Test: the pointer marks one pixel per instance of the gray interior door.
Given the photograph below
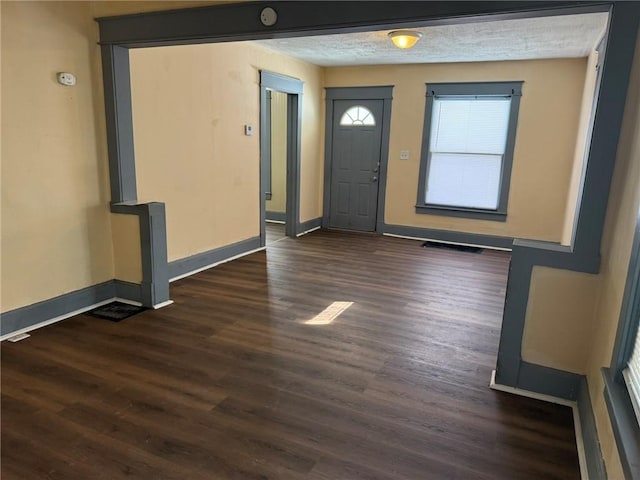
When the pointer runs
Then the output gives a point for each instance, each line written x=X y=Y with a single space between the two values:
x=355 y=163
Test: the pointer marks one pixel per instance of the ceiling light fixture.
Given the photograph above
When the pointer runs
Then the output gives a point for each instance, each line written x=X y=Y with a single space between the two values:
x=404 y=38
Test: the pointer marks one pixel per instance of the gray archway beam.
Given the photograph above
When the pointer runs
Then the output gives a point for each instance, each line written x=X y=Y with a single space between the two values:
x=241 y=21
x=117 y=101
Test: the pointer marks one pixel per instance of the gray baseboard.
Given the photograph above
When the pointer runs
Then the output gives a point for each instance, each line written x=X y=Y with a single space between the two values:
x=204 y=259
x=623 y=423
x=62 y=305
x=549 y=381
x=276 y=216
x=128 y=290
x=309 y=225
x=448 y=236
x=593 y=454
x=25 y=317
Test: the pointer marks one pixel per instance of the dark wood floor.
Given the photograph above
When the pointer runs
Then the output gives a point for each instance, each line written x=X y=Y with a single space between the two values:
x=230 y=383
x=275 y=232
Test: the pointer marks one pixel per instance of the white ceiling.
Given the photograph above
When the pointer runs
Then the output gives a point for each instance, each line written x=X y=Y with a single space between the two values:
x=543 y=37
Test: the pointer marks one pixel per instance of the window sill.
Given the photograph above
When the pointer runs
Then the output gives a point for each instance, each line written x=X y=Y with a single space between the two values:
x=475 y=213
x=624 y=424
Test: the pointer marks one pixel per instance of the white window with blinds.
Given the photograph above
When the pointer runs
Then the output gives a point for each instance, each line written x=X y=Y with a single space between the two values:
x=467 y=162
x=632 y=377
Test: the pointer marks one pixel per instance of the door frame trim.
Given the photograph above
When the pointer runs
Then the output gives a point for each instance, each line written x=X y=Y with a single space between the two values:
x=293 y=88
x=384 y=93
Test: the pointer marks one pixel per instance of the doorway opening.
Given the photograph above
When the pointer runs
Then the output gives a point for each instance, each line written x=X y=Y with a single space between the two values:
x=276 y=193
x=280 y=137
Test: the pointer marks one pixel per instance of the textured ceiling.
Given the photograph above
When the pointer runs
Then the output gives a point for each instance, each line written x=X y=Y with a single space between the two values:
x=543 y=37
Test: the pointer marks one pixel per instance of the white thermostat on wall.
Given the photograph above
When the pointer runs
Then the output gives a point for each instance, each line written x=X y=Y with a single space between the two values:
x=67 y=79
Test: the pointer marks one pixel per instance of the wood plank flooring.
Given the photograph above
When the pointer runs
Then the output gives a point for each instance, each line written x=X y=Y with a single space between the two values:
x=274 y=232
x=230 y=383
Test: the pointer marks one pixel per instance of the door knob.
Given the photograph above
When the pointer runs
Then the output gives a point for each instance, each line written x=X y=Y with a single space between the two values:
x=374 y=179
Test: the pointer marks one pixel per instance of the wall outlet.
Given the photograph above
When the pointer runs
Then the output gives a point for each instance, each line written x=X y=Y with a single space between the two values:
x=404 y=154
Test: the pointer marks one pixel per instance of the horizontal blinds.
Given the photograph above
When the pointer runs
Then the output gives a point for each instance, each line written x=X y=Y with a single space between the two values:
x=466 y=147
x=464 y=180
x=632 y=377
x=470 y=125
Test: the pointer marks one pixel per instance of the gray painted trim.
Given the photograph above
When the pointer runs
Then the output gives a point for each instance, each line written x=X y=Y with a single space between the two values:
x=629 y=322
x=39 y=312
x=128 y=290
x=595 y=463
x=198 y=261
x=384 y=160
x=65 y=304
x=265 y=132
x=624 y=424
x=584 y=255
x=503 y=89
x=276 y=216
x=549 y=381
x=475 y=88
x=607 y=123
x=241 y=21
x=474 y=213
x=449 y=236
x=117 y=100
x=384 y=93
x=524 y=256
x=600 y=48
x=293 y=88
x=153 y=247
x=310 y=224
x=359 y=93
x=281 y=83
x=328 y=146
x=294 y=147
x=265 y=159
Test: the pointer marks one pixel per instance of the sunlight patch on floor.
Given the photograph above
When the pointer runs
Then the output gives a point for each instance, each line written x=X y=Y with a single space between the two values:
x=329 y=314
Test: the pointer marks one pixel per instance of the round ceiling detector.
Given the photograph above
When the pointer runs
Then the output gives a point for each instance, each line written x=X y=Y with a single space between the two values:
x=268 y=17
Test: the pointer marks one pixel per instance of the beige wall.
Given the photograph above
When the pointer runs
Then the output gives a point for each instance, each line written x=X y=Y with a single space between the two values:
x=108 y=8
x=278 y=202
x=581 y=147
x=56 y=235
x=545 y=142
x=559 y=319
x=126 y=247
x=189 y=107
x=622 y=215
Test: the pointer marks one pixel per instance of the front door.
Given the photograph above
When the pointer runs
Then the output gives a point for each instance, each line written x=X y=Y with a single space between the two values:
x=355 y=164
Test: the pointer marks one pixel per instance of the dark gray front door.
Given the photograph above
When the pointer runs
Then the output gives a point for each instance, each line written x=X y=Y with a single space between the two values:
x=355 y=164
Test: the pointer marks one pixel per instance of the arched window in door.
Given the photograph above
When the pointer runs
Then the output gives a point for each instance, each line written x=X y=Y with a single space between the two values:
x=357 y=116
